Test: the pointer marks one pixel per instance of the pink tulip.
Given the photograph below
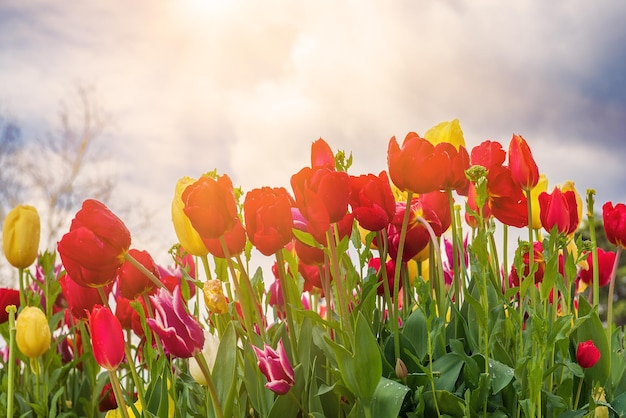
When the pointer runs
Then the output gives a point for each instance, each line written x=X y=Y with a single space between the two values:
x=179 y=332
x=107 y=337
x=274 y=364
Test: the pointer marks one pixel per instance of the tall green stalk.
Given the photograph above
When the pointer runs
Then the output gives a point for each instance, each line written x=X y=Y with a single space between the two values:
x=11 y=310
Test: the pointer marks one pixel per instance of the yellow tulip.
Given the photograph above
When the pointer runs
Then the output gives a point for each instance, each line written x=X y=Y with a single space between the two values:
x=446 y=132
x=187 y=236
x=542 y=186
x=214 y=296
x=32 y=332
x=20 y=236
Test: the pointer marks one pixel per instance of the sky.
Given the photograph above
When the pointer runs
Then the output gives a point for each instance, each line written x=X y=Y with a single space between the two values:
x=245 y=87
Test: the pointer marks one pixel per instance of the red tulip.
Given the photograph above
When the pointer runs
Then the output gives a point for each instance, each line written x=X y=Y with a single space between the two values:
x=94 y=248
x=307 y=254
x=129 y=318
x=587 y=354
x=488 y=154
x=107 y=337
x=524 y=170
x=606 y=260
x=267 y=212
x=417 y=236
x=615 y=223
x=390 y=269
x=372 y=201
x=559 y=210
x=311 y=276
x=505 y=200
x=416 y=167
x=322 y=155
x=275 y=365
x=179 y=332
x=131 y=282
x=235 y=239
x=457 y=162
x=8 y=297
x=210 y=206
x=322 y=196
x=537 y=260
x=80 y=299
x=439 y=203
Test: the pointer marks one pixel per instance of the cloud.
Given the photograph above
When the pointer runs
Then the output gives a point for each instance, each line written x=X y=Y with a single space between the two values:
x=247 y=86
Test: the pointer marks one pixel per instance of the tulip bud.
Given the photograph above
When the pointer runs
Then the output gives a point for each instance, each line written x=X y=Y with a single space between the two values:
x=401 y=370
x=20 y=236
x=523 y=167
x=587 y=354
x=214 y=297
x=32 y=332
x=107 y=337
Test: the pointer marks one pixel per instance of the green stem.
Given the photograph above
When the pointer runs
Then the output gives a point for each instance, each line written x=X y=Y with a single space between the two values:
x=284 y=286
x=609 y=304
x=342 y=296
x=396 y=279
x=248 y=323
x=11 y=310
x=457 y=252
x=22 y=287
x=594 y=247
x=207 y=375
x=119 y=395
x=207 y=268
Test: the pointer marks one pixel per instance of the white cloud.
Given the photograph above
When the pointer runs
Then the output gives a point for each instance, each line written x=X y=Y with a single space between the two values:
x=246 y=86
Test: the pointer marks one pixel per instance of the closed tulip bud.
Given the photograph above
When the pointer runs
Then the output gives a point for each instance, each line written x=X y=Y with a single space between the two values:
x=401 y=370
x=20 y=236
x=32 y=332
x=187 y=236
x=587 y=354
x=214 y=297
x=524 y=170
x=615 y=223
x=107 y=337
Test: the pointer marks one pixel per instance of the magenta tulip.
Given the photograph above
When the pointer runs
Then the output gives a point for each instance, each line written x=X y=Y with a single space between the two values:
x=179 y=332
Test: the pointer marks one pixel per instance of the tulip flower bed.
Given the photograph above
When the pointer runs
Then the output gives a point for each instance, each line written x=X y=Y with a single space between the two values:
x=391 y=294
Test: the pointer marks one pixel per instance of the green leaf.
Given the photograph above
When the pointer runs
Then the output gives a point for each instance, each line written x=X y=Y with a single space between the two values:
x=361 y=370
x=415 y=330
x=501 y=375
x=388 y=398
x=224 y=375
x=592 y=329
x=449 y=367
x=305 y=238
x=367 y=358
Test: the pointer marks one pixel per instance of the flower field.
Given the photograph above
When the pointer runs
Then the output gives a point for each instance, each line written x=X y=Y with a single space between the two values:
x=390 y=294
